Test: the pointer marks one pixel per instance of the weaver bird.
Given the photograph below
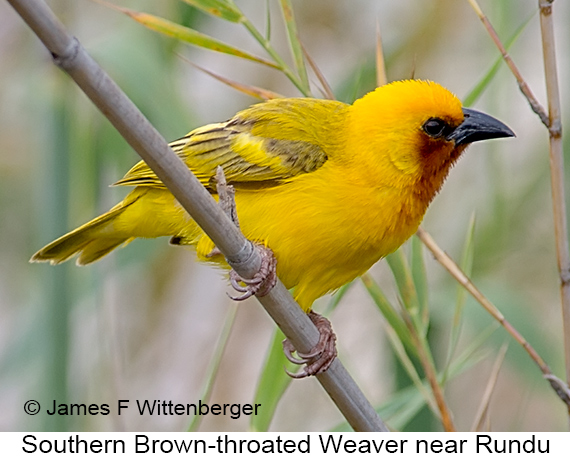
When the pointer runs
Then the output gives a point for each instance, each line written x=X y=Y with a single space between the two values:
x=330 y=188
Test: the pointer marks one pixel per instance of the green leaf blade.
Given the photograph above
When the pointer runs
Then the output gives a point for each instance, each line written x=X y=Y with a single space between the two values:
x=404 y=280
x=419 y=276
x=389 y=313
x=480 y=87
x=191 y=36
x=272 y=384
x=294 y=43
x=218 y=8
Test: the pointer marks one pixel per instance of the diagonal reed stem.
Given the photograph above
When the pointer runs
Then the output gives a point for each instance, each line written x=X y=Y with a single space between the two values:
x=428 y=365
x=70 y=56
x=523 y=86
x=447 y=262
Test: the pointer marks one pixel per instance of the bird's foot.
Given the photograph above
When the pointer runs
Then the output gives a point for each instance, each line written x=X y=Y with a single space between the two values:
x=318 y=359
x=262 y=282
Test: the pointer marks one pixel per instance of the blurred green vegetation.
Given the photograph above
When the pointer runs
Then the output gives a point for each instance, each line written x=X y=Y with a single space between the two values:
x=146 y=322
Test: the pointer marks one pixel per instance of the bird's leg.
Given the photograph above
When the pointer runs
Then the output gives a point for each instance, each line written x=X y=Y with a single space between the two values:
x=227 y=196
x=266 y=277
x=318 y=359
x=226 y=201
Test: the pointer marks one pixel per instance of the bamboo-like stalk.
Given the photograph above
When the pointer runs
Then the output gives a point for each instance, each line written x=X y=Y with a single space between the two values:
x=556 y=168
x=69 y=55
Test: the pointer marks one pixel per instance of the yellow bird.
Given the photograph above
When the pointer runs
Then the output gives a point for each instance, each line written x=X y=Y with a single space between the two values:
x=329 y=187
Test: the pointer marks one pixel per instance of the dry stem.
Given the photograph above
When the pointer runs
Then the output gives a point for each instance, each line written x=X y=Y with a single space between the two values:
x=431 y=376
x=381 y=77
x=462 y=278
x=525 y=89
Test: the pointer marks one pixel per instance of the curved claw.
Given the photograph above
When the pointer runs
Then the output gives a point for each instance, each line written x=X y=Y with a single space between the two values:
x=241 y=297
x=299 y=375
x=314 y=368
x=320 y=357
x=234 y=280
x=247 y=292
x=288 y=350
x=262 y=282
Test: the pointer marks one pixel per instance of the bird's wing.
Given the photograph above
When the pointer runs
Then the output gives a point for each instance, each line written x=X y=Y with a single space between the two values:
x=264 y=145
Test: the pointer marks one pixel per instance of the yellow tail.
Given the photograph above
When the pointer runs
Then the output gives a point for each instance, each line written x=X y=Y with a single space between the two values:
x=92 y=240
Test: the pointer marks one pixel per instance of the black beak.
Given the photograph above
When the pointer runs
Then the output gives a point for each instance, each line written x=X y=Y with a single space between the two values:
x=478 y=126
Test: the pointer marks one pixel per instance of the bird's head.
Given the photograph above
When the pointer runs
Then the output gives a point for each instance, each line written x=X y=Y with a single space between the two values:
x=413 y=132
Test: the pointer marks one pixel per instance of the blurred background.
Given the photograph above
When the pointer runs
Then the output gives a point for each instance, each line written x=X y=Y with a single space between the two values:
x=145 y=322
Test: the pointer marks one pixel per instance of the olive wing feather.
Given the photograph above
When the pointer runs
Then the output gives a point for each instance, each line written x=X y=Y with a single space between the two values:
x=262 y=146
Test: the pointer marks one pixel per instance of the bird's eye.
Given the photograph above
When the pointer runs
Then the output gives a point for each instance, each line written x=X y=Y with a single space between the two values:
x=435 y=127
